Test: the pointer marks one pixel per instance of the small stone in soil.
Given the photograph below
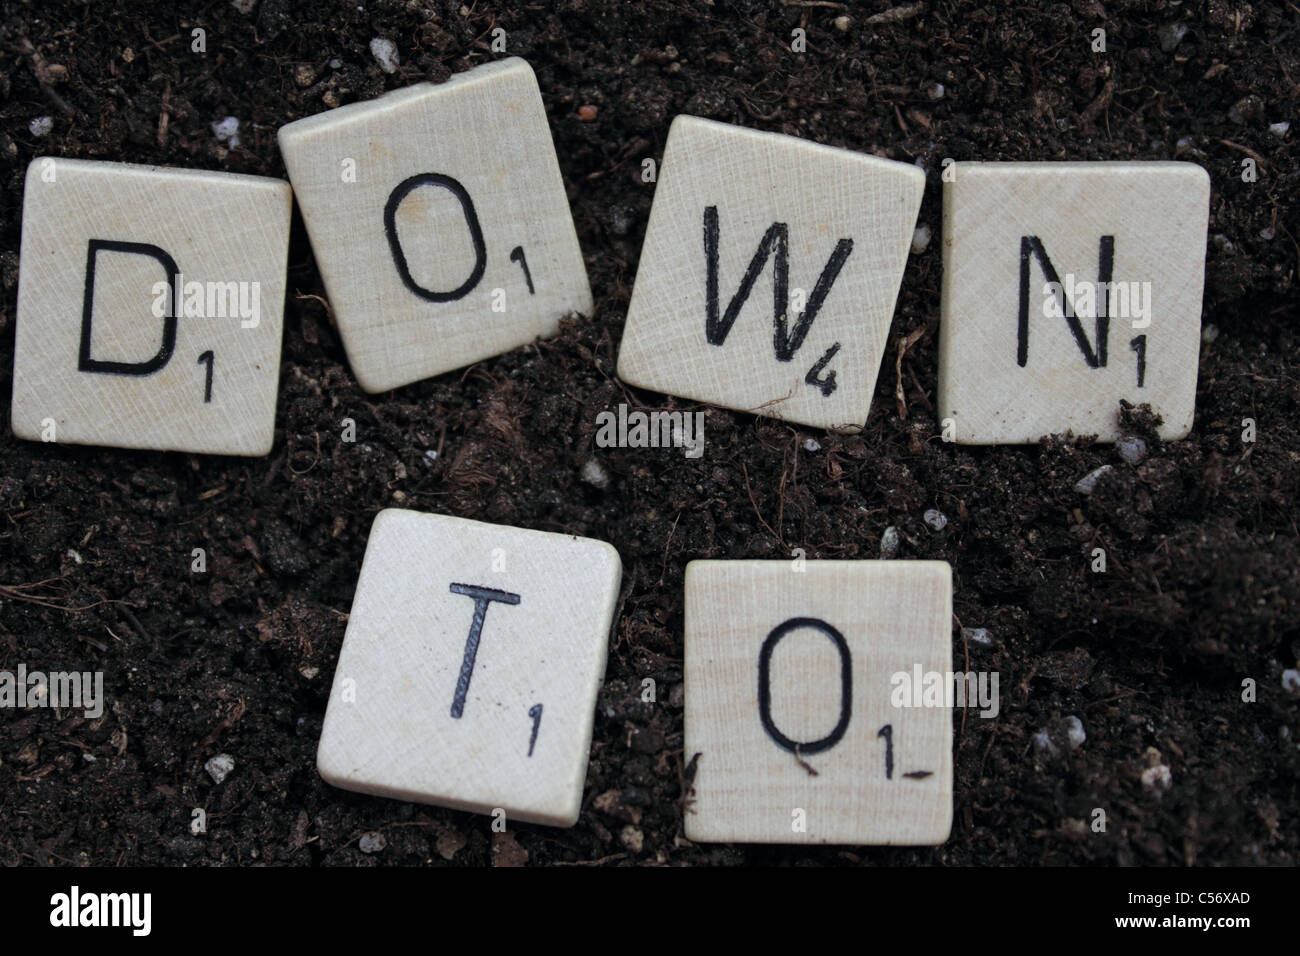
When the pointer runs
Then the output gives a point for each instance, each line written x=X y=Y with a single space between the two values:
x=1088 y=483
x=219 y=767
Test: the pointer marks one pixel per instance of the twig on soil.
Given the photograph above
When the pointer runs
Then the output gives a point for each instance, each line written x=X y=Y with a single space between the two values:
x=761 y=520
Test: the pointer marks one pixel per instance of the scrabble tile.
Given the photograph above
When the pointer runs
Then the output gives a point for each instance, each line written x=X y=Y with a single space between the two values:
x=470 y=667
x=790 y=701
x=1030 y=342
x=150 y=307
x=769 y=274
x=439 y=222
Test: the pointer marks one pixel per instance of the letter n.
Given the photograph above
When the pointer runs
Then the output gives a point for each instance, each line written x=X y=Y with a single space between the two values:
x=1033 y=246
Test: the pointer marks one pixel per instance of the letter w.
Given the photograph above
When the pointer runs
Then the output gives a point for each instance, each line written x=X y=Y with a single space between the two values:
x=774 y=243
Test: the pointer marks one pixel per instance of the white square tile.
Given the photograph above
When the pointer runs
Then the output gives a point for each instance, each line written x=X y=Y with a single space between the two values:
x=769 y=274
x=105 y=351
x=439 y=221
x=791 y=701
x=470 y=667
x=1013 y=365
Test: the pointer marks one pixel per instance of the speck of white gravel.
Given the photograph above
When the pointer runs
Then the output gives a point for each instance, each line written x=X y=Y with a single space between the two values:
x=889 y=542
x=1088 y=483
x=594 y=473
x=385 y=54
x=1280 y=129
x=1131 y=448
x=1042 y=742
x=1074 y=735
x=1223 y=243
x=244 y=6
x=842 y=23
x=936 y=91
x=812 y=444
x=977 y=635
x=1157 y=779
x=936 y=519
x=219 y=767
x=1291 y=681
x=227 y=131
x=1170 y=35
x=372 y=842
x=920 y=239
x=41 y=126
x=1209 y=333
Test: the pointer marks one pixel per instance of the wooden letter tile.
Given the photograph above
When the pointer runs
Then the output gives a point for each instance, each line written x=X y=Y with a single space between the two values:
x=150 y=307
x=439 y=222
x=769 y=274
x=470 y=667
x=1031 y=342
x=792 y=703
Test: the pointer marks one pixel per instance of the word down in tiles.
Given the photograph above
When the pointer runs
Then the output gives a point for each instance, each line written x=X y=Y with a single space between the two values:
x=470 y=667
x=769 y=274
x=794 y=719
x=439 y=221
x=1068 y=287
x=150 y=307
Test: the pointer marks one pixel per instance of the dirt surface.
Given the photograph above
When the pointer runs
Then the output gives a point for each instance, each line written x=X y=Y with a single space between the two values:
x=1203 y=580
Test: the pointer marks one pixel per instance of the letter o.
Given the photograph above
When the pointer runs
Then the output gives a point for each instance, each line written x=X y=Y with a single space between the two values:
x=395 y=198
x=765 y=686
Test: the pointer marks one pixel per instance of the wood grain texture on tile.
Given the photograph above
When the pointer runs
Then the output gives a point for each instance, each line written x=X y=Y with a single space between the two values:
x=769 y=274
x=791 y=702
x=470 y=667
x=439 y=221
x=150 y=307
x=1030 y=342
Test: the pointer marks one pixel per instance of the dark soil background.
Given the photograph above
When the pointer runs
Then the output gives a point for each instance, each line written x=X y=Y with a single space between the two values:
x=1202 y=585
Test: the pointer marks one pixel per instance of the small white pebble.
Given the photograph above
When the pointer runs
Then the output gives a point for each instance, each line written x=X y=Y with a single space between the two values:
x=1074 y=734
x=632 y=838
x=227 y=131
x=74 y=555
x=594 y=473
x=335 y=63
x=1043 y=743
x=431 y=456
x=1279 y=129
x=889 y=542
x=1157 y=779
x=812 y=444
x=977 y=635
x=936 y=92
x=1291 y=681
x=842 y=23
x=1223 y=243
x=1267 y=233
x=385 y=54
x=372 y=842
x=1088 y=483
x=1131 y=448
x=41 y=126
x=219 y=767
x=309 y=672
x=1210 y=333
x=1170 y=35
x=920 y=239
x=936 y=519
